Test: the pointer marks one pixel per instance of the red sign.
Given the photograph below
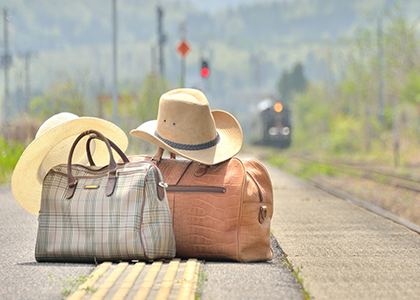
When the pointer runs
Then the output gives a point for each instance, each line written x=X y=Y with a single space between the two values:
x=183 y=48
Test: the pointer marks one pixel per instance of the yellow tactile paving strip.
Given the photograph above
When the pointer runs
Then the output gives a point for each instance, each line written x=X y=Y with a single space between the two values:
x=128 y=282
x=148 y=281
x=109 y=282
x=188 y=279
x=175 y=279
x=90 y=282
x=168 y=280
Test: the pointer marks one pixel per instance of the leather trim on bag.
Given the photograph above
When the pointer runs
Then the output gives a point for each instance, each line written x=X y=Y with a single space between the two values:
x=158 y=156
x=71 y=189
x=110 y=186
x=112 y=167
x=159 y=184
x=158 y=179
x=111 y=143
x=195 y=189
x=141 y=215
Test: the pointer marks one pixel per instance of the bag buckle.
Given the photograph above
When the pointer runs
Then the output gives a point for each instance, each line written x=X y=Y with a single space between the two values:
x=263 y=214
x=163 y=184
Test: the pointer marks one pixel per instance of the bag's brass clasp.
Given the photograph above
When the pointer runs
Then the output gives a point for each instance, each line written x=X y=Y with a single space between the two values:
x=163 y=184
x=263 y=214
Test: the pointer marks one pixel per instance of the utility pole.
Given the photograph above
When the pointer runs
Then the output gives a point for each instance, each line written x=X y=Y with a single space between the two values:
x=153 y=60
x=6 y=61
x=380 y=74
x=27 y=80
x=114 y=69
x=183 y=34
x=396 y=130
x=161 y=40
x=257 y=74
x=27 y=57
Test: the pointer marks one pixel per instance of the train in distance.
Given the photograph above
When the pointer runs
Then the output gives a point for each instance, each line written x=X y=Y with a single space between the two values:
x=273 y=126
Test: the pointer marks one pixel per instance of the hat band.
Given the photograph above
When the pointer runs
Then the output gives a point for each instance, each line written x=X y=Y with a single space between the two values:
x=202 y=146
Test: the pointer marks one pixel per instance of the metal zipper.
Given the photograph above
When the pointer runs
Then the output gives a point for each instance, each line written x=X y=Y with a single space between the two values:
x=195 y=189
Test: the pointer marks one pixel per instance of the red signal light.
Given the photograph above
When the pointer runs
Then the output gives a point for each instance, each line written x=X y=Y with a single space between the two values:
x=205 y=72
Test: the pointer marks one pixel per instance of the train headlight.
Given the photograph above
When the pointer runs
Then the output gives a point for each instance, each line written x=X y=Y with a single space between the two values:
x=278 y=107
x=273 y=131
x=286 y=130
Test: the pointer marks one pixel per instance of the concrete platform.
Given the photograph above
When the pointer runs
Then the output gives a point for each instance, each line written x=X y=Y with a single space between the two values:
x=341 y=250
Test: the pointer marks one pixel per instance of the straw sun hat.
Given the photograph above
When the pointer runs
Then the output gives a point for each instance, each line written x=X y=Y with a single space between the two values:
x=186 y=126
x=51 y=147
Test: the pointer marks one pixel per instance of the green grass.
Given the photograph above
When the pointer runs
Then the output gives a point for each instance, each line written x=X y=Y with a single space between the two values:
x=10 y=153
x=279 y=160
x=310 y=170
x=296 y=273
x=201 y=283
x=71 y=284
x=303 y=169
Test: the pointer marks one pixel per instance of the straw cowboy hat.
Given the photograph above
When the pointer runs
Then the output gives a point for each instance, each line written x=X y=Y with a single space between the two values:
x=186 y=126
x=51 y=147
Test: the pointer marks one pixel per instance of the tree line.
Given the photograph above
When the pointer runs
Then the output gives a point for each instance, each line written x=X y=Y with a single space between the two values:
x=369 y=102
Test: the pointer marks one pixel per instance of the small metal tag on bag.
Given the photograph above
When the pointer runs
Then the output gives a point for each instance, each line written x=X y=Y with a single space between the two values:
x=91 y=187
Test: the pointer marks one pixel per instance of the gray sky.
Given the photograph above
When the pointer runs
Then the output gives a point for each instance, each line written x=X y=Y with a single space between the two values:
x=215 y=5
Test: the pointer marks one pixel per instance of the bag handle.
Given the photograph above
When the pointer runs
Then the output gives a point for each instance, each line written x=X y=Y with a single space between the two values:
x=112 y=167
x=113 y=146
x=158 y=156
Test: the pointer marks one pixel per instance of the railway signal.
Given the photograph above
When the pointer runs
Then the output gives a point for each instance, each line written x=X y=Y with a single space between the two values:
x=183 y=49
x=205 y=71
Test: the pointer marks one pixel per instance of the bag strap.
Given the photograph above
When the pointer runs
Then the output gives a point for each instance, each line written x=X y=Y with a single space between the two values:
x=158 y=156
x=161 y=185
x=112 y=167
x=113 y=146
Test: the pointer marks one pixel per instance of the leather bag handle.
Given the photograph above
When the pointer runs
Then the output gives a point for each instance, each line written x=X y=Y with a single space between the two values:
x=113 y=146
x=112 y=167
x=158 y=156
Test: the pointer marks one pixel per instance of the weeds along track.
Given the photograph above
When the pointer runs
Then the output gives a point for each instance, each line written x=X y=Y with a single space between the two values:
x=393 y=193
x=386 y=202
x=369 y=206
x=355 y=169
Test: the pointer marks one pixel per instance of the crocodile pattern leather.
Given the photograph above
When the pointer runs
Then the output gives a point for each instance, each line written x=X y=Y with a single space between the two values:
x=234 y=225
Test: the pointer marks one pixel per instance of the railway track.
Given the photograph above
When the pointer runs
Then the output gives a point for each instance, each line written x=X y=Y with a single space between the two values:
x=397 y=181
x=389 y=178
x=369 y=206
x=387 y=201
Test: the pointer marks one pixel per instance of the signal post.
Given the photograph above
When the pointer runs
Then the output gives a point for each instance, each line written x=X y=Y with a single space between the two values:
x=183 y=50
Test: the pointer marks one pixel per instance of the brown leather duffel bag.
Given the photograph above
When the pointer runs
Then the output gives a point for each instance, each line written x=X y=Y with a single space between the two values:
x=222 y=211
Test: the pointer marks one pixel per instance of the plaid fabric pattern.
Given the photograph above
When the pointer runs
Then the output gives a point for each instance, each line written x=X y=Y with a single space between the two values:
x=131 y=224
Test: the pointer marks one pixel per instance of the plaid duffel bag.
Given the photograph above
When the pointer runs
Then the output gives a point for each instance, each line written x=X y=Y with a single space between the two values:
x=92 y=214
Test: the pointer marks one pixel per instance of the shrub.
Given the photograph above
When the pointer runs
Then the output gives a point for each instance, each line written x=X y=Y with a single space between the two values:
x=10 y=153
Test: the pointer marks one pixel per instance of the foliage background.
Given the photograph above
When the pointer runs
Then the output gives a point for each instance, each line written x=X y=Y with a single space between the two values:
x=253 y=49
x=343 y=116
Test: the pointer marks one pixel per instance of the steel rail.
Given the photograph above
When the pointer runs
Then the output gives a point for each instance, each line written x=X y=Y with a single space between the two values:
x=389 y=182
x=369 y=206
